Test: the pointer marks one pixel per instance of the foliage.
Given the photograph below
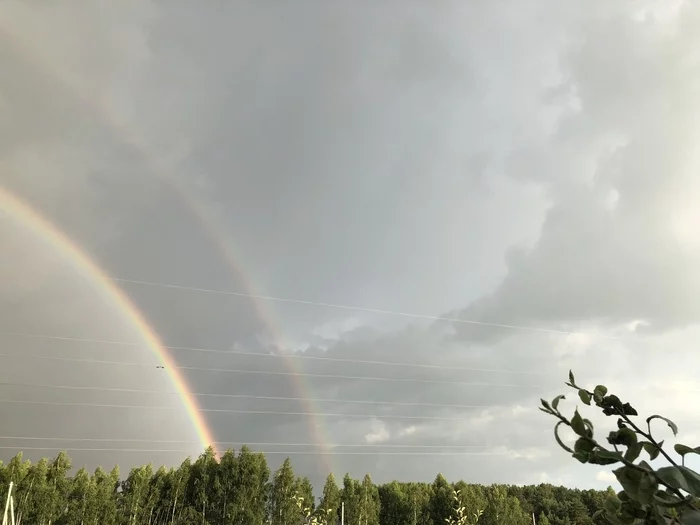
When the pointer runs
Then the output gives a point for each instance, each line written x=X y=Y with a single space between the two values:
x=461 y=515
x=322 y=517
x=330 y=500
x=236 y=489
x=283 y=509
x=651 y=496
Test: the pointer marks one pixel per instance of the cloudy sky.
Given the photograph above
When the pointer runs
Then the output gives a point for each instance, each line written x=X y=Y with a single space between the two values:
x=520 y=176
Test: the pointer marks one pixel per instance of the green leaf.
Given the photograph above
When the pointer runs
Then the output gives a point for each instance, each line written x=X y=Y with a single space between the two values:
x=644 y=465
x=600 y=390
x=647 y=487
x=681 y=478
x=604 y=457
x=578 y=425
x=628 y=410
x=597 y=396
x=658 y=516
x=556 y=436
x=690 y=517
x=546 y=405
x=685 y=449
x=555 y=401
x=612 y=505
x=585 y=396
x=633 y=451
x=670 y=423
x=571 y=379
x=651 y=449
x=625 y=436
x=669 y=500
x=630 y=480
x=584 y=445
x=581 y=456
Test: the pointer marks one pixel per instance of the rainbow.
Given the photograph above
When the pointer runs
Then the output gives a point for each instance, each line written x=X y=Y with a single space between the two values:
x=27 y=216
x=264 y=312
x=208 y=223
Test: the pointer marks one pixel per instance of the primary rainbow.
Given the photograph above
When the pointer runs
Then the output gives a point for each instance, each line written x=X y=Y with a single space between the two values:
x=208 y=223
x=28 y=217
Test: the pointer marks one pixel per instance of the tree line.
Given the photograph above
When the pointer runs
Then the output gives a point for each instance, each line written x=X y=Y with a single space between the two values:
x=240 y=489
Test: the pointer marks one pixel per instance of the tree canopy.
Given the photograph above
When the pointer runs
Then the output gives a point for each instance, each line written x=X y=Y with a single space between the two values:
x=240 y=489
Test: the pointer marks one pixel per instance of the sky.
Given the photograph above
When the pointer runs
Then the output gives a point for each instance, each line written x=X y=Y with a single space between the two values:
x=520 y=179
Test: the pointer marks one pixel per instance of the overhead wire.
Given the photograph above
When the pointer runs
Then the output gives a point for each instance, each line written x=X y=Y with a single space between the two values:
x=229 y=410
x=247 y=444
x=355 y=308
x=243 y=396
x=267 y=452
x=287 y=356
x=237 y=443
x=279 y=355
x=272 y=372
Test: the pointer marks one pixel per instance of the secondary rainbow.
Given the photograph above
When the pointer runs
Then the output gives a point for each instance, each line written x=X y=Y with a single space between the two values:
x=28 y=217
x=218 y=236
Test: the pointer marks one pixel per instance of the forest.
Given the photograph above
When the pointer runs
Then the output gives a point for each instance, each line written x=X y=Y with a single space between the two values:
x=240 y=489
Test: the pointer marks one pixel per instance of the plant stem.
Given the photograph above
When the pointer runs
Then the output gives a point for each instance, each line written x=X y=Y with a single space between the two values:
x=627 y=463
x=646 y=435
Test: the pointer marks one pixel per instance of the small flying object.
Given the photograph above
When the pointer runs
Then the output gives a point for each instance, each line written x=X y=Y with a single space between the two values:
x=159 y=366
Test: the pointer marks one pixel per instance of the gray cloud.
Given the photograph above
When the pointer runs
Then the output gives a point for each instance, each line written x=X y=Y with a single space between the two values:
x=393 y=157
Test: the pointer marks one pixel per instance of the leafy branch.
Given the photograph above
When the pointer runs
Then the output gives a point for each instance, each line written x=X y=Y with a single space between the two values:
x=461 y=517
x=654 y=497
x=323 y=515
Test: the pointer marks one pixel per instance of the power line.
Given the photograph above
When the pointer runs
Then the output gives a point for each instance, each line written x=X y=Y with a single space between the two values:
x=267 y=452
x=285 y=356
x=239 y=444
x=272 y=373
x=247 y=396
x=229 y=410
x=353 y=308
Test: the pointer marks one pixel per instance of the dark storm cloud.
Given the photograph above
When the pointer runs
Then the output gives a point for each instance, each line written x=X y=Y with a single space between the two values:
x=523 y=163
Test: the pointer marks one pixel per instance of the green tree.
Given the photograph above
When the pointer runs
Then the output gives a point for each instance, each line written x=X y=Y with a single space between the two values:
x=396 y=508
x=502 y=508
x=420 y=496
x=103 y=507
x=79 y=498
x=249 y=504
x=238 y=488
x=228 y=469
x=304 y=489
x=153 y=504
x=304 y=500
x=178 y=483
x=441 y=500
x=202 y=482
x=59 y=485
x=330 y=500
x=349 y=495
x=36 y=500
x=135 y=492
x=282 y=505
x=472 y=499
x=368 y=502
